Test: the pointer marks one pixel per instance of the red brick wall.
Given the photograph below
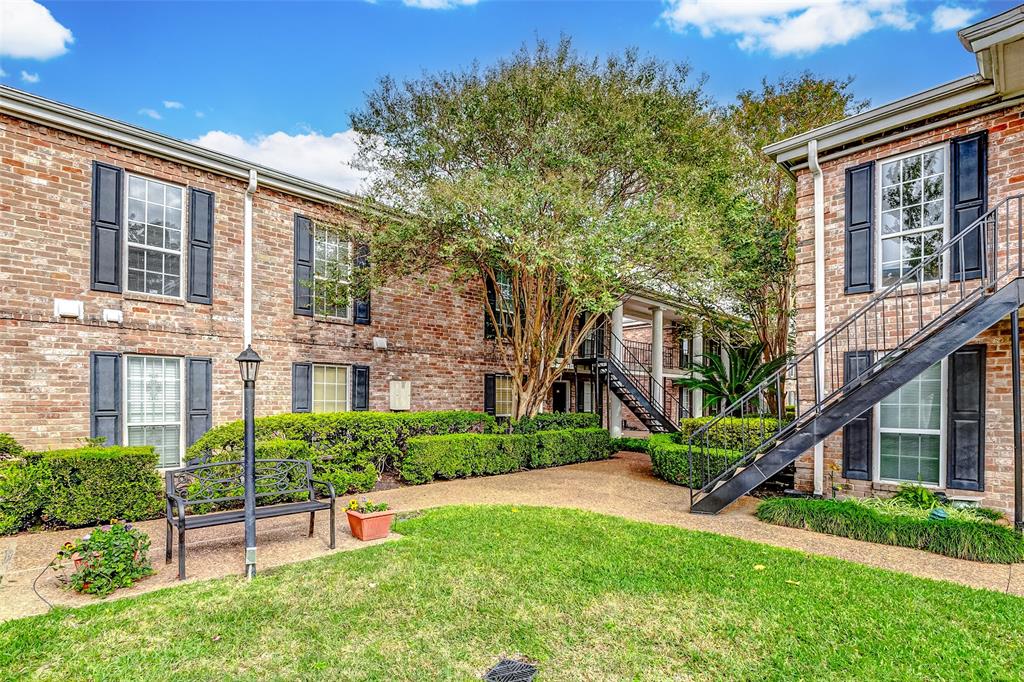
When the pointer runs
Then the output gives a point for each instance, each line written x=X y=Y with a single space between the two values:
x=434 y=330
x=1005 y=178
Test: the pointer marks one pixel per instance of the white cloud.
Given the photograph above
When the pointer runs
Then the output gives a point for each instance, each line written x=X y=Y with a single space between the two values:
x=29 y=77
x=437 y=4
x=3 y=74
x=29 y=31
x=152 y=113
x=323 y=158
x=948 y=18
x=172 y=104
x=787 y=27
x=200 y=114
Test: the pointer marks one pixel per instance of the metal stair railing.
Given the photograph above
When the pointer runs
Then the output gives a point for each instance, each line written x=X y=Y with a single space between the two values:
x=605 y=345
x=904 y=313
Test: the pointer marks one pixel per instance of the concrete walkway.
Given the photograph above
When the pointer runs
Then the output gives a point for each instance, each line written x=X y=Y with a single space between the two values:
x=622 y=486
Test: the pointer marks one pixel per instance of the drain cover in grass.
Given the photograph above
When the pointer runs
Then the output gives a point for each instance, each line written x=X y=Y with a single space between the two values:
x=508 y=670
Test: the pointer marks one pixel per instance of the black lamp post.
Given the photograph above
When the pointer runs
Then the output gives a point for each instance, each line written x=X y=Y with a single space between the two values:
x=249 y=365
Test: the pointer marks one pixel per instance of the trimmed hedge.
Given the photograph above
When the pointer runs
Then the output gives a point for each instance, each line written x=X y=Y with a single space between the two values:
x=95 y=484
x=556 y=421
x=569 y=446
x=79 y=487
x=671 y=462
x=729 y=433
x=346 y=448
x=462 y=455
x=962 y=539
x=627 y=444
x=23 y=488
x=9 y=447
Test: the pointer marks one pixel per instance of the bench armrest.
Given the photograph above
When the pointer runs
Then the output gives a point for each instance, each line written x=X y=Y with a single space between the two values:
x=178 y=504
x=326 y=484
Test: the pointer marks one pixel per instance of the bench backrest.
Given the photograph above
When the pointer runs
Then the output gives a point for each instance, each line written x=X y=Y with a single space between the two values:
x=219 y=482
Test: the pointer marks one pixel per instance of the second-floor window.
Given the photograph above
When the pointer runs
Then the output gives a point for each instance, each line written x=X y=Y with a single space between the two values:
x=154 y=237
x=332 y=260
x=912 y=212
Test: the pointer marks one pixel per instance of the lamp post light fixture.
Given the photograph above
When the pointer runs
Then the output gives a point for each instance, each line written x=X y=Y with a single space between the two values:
x=249 y=365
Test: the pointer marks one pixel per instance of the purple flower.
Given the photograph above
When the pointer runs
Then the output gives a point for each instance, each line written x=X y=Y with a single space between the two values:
x=105 y=528
x=87 y=536
x=128 y=526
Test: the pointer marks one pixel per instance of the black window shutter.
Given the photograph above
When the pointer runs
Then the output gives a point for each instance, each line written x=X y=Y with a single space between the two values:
x=492 y=300
x=302 y=387
x=860 y=235
x=489 y=402
x=105 y=397
x=965 y=442
x=580 y=405
x=200 y=246
x=360 y=388
x=858 y=435
x=303 y=265
x=107 y=187
x=361 y=307
x=199 y=398
x=969 y=200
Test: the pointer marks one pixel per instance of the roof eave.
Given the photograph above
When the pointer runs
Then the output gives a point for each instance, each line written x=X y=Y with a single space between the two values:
x=37 y=109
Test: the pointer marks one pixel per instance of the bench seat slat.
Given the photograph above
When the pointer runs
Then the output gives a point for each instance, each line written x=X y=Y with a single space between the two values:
x=238 y=515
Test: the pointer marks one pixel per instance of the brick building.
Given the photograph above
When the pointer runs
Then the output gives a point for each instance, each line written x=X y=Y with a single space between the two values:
x=135 y=267
x=909 y=216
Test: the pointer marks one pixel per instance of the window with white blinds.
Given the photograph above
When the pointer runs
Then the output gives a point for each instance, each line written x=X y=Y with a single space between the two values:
x=153 y=392
x=330 y=388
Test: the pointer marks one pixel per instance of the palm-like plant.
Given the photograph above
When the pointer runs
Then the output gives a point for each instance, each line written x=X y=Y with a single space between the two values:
x=725 y=383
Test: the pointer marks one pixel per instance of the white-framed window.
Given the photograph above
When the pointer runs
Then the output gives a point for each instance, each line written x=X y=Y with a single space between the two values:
x=912 y=212
x=154 y=406
x=502 y=395
x=153 y=238
x=910 y=436
x=332 y=265
x=330 y=388
x=587 y=390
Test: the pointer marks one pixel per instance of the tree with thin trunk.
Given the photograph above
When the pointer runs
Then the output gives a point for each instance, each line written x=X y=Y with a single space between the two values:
x=756 y=264
x=557 y=183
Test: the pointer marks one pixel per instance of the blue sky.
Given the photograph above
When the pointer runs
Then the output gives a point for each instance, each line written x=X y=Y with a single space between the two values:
x=275 y=81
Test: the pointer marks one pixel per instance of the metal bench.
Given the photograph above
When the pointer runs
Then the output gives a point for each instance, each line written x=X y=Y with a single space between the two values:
x=284 y=486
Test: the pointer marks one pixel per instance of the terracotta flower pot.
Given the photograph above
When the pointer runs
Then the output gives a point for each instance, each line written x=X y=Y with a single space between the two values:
x=371 y=526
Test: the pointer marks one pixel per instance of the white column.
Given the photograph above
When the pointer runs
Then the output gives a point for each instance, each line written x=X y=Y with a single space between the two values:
x=698 y=356
x=658 y=351
x=614 y=404
x=247 y=260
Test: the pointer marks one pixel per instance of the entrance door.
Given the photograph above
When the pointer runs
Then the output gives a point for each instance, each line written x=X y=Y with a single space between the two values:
x=560 y=396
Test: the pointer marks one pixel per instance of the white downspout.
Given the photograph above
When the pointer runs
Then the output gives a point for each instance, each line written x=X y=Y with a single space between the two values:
x=819 y=294
x=247 y=261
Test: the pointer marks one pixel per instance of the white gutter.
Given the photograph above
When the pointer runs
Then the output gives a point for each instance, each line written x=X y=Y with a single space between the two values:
x=247 y=260
x=819 y=294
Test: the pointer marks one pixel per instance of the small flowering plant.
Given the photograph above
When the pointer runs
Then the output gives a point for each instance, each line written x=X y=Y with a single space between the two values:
x=108 y=558
x=365 y=506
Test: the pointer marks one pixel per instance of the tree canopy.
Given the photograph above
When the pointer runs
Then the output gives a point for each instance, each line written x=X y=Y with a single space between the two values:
x=559 y=183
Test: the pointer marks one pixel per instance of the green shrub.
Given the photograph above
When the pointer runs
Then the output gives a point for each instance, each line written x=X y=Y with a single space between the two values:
x=556 y=421
x=627 y=444
x=346 y=448
x=916 y=496
x=464 y=454
x=671 y=462
x=23 y=490
x=569 y=446
x=962 y=538
x=9 y=448
x=729 y=433
x=95 y=484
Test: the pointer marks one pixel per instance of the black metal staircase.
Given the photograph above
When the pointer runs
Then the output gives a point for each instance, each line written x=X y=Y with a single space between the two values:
x=627 y=376
x=927 y=314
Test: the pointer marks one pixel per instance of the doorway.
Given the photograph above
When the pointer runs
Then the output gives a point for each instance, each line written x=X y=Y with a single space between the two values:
x=560 y=396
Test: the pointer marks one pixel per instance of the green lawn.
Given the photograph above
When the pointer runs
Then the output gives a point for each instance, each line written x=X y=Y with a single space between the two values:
x=586 y=596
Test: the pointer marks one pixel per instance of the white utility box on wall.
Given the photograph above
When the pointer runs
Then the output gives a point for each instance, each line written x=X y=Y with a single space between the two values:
x=401 y=395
